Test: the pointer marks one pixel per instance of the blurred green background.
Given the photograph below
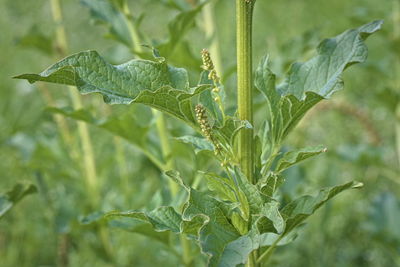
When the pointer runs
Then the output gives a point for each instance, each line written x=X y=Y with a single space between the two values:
x=358 y=127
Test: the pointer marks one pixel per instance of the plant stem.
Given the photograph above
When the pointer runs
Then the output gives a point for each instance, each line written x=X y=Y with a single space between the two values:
x=244 y=19
x=265 y=256
x=165 y=148
x=244 y=15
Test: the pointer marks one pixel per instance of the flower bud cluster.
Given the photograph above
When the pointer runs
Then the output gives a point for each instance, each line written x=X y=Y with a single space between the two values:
x=209 y=65
x=205 y=127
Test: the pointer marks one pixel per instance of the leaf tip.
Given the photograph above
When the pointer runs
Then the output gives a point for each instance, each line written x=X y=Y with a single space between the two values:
x=357 y=185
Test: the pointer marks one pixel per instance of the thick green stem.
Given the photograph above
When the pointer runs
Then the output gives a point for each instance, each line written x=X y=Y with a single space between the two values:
x=244 y=14
x=244 y=18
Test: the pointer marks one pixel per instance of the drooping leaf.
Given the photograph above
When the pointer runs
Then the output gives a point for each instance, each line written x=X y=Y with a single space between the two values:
x=178 y=28
x=13 y=196
x=199 y=144
x=124 y=126
x=162 y=218
x=106 y=12
x=153 y=83
x=145 y=223
x=310 y=82
x=293 y=157
x=300 y=209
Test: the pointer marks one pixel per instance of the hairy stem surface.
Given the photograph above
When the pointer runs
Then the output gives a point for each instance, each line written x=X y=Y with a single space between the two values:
x=244 y=17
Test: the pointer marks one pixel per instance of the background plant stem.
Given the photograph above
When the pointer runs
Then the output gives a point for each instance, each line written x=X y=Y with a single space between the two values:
x=396 y=36
x=87 y=149
x=244 y=17
x=210 y=31
x=89 y=164
x=162 y=132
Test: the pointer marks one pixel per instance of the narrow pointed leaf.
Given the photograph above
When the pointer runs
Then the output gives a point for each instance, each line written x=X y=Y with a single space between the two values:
x=300 y=209
x=199 y=144
x=293 y=157
x=13 y=196
x=162 y=218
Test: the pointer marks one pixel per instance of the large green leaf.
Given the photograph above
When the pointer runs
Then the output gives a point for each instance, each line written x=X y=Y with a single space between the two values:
x=310 y=82
x=13 y=196
x=153 y=83
x=322 y=73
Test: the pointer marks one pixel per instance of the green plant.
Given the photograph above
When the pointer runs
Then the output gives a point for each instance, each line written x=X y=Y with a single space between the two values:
x=241 y=218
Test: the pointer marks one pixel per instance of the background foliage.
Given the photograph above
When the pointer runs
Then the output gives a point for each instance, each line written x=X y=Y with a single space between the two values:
x=358 y=128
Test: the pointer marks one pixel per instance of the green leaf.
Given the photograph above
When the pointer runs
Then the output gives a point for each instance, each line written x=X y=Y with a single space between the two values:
x=310 y=82
x=162 y=218
x=153 y=83
x=300 y=209
x=322 y=73
x=224 y=188
x=13 y=196
x=216 y=231
x=293 y=157
x=208 y=218
x=228 y=132
x=254 y=200
x=271 y=220
x=178 y=28
x=106 y=12
x=270 y=184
